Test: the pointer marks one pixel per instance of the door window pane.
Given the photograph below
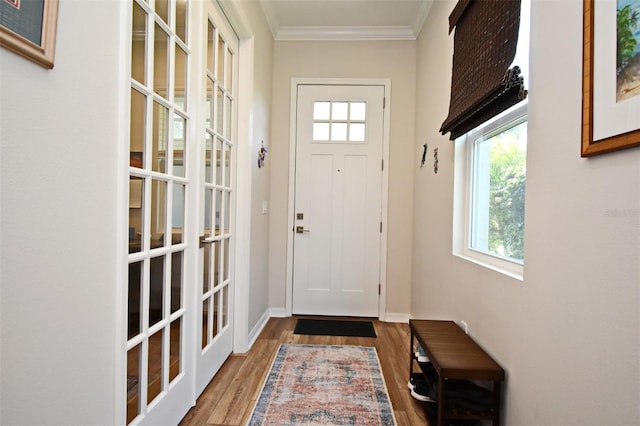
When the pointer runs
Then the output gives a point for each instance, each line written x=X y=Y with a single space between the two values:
x=133 y=382
x=176 y=281
x=339 y=110
x=180 y=79
x=181 y=20
x=160 y=62
x=179 y=148
x=134 y=299
x=320 y=131
x=156 y=290
x=136 y=129
x=136 y=198
x=155 y=365
x=160 y=137
x=158 y=213
x=339 y=131
x=138 y=44
x=356 y=132
x=162 y=9
x=357 y=111
x=175 y=333
x=205 y=321
x=321 y=110
x=177 y=227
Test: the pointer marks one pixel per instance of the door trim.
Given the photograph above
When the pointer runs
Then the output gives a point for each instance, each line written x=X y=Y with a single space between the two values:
x=295 y=82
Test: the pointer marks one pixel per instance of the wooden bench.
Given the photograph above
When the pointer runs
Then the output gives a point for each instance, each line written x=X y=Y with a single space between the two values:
x=456 y=356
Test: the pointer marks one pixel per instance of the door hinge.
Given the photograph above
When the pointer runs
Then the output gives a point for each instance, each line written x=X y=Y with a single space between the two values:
x=381 y=227
x=379 y=289
x=382 y=161
x=384 y=102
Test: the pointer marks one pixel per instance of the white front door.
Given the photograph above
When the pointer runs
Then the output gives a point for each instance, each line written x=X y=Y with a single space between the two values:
x=338 y=197
x=218 y=164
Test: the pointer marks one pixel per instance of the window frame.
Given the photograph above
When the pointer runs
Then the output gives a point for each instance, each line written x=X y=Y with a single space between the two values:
x=463 y=193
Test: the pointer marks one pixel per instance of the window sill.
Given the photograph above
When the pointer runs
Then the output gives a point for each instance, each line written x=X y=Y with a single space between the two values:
x=510 y=269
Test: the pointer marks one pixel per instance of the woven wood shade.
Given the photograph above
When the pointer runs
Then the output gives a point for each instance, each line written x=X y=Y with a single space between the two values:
x=482 y=84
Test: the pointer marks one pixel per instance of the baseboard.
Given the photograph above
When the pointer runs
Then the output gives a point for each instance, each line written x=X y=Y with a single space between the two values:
x=257 y=329
x=278 y=312
x=396 y=317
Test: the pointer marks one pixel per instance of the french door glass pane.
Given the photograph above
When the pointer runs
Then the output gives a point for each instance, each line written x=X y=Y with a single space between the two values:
x=160 y=137
x=138 y=44
x=219 y=145
x=220 y=59
x=179 y=148
x=134 y=297
x=158 y=213
x=136 y=203
x=206 y=268
x=156 y=290
x=175 y=332
x=136 y=129
x=228 y=77
x=205 y=322
x=180 y=78
x=209 y=230
x=209 y=155
x=154 y=386
x=161 y=62
x=162 y=9
x=178 y=213
x=181 y=20
x=133 y=382
x=227 y=165
x=176 y=281
x=209 y=111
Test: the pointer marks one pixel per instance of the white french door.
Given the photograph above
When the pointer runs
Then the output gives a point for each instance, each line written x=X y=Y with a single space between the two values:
x=218 y=164
x=159 y=375
x=338 y=200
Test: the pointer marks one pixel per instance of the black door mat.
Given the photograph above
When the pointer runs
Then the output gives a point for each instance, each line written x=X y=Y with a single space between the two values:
x=335 y=328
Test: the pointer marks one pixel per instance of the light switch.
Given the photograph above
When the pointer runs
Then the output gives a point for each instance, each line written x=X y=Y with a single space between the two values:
x=265 y=207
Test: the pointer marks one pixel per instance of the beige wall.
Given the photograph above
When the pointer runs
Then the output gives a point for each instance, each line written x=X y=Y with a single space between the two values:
x=59 y=233
x=569 y=333
x=384 y=59
x=260 y=177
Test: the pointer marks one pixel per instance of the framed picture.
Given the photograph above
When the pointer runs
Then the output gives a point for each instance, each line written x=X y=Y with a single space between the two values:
x=610 y=76
x=28 y=28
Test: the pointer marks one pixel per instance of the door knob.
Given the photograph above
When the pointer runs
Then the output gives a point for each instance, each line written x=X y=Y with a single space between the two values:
x=300 y=230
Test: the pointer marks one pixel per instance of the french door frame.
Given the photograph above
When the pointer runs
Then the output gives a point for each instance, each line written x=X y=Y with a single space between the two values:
x=244 y=160
x=295 y=82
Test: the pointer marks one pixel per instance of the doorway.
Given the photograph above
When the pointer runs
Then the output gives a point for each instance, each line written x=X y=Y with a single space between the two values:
x=339 y=198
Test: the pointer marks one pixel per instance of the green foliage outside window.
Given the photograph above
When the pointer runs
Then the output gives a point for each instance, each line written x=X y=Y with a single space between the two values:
x=507 y=192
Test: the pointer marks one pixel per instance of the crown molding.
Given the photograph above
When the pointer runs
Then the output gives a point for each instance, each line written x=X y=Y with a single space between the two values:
x=345 y=33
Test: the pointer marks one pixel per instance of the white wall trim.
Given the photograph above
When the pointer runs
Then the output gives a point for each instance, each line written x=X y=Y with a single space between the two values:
x=345 y=33
x=398 y=317
x=257 y=329
x=241 y=26
x=295 y=82
x=122 y=218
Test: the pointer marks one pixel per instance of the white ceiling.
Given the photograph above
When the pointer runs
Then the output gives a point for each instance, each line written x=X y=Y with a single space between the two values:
x=346 y=19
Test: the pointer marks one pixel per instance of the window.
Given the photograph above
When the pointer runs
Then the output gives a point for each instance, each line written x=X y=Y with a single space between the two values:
x=490 y=192
x=339 y=121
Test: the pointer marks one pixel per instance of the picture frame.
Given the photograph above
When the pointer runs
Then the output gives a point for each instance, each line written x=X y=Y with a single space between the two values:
x=608 y=124
x=28 y=28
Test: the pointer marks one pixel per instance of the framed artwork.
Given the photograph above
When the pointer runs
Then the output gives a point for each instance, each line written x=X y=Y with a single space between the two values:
x=610 y=76
x=28 y=28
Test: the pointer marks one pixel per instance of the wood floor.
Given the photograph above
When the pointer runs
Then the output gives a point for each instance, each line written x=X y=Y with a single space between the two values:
x=229 y=399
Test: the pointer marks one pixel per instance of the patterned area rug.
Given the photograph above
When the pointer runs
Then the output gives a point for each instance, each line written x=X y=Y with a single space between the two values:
x=324 y=385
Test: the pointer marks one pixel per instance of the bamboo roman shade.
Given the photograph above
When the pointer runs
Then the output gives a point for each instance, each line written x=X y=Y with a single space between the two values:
x=482 y=82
